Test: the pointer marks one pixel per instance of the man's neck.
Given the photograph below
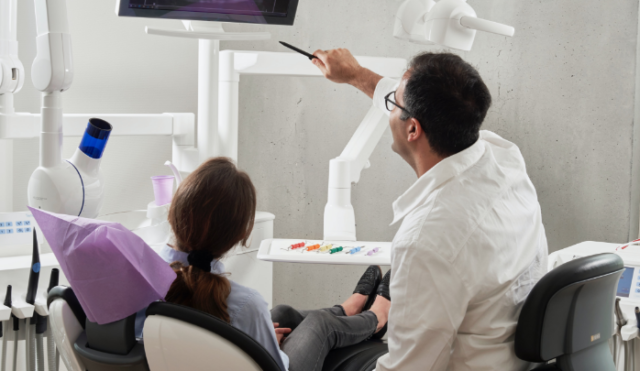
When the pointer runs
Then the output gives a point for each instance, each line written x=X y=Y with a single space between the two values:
x=425 y=162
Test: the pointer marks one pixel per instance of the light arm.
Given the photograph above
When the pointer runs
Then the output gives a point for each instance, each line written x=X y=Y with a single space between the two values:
x=52 y=69
x=487 y=26
x=339 y=217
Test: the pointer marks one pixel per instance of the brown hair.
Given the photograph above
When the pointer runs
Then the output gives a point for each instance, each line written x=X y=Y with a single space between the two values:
x=212 y=211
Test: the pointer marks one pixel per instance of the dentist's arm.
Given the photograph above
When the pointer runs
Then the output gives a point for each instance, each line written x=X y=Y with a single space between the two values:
x=340 y=66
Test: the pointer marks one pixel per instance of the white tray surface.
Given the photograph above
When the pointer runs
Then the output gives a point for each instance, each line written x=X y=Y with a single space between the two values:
x=274 y=250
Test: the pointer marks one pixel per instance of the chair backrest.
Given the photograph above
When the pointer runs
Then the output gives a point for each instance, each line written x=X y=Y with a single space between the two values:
x=182 y=338
x=93 y=347
x=568 y=316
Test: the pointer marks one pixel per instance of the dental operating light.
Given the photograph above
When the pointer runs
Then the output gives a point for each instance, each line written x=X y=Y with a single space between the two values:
x=449 y=23
x=72 y=186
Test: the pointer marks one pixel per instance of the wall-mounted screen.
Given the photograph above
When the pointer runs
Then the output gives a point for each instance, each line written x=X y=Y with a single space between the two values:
x=624 y=285
x=280 y=12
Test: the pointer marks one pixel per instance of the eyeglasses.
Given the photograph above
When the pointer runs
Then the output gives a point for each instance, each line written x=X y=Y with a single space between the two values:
x=391 y=103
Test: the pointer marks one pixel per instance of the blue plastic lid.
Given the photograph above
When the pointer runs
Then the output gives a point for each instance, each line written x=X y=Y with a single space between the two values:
x=95 y=138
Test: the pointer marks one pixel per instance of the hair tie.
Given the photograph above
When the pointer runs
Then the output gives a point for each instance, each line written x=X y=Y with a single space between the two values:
x=201 y=260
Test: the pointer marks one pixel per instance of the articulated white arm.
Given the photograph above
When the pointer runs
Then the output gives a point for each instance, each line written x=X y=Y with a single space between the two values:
x=52 y=69
x=364 y=141
x=339 y=217
x=487 y=26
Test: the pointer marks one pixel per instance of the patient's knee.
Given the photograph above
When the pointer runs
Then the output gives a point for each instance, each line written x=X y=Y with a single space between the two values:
x=319 y=317
x=282 y=313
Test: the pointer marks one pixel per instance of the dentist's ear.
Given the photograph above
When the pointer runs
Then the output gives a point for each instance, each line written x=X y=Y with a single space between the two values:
x=414 y=129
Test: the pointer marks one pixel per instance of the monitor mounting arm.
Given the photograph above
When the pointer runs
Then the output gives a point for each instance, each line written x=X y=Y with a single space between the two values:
x=339 y=217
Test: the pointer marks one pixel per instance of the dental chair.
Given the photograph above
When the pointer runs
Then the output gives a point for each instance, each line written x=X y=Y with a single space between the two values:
x=87 y=346
x=179 y=337
x=569 y=316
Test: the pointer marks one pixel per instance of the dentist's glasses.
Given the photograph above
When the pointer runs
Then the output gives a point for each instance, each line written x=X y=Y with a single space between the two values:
x=390 y=102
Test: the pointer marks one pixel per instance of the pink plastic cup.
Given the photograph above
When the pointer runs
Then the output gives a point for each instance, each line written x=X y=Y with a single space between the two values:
x=162 y=189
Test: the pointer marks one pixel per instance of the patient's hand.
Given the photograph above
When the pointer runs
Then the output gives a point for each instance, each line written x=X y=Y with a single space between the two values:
x=280 y=332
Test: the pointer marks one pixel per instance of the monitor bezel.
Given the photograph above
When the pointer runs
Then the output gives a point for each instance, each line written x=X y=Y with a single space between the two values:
x=123 y=10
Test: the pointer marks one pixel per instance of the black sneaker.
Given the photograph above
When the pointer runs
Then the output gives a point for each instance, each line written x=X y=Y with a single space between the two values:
x=383 y=287
x=383 y=290
x=368 y=285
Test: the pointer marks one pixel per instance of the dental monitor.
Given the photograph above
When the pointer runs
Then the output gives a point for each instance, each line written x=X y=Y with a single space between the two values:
x=278 y=12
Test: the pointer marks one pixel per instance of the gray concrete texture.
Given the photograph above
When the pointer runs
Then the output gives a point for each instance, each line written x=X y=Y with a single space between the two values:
x=563 y=91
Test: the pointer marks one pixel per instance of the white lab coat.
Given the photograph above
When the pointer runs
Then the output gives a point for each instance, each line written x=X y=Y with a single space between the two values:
x=470 y=248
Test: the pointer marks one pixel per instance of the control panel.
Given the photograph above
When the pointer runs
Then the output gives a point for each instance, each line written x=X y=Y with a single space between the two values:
x=16 y=233
x=629 y=284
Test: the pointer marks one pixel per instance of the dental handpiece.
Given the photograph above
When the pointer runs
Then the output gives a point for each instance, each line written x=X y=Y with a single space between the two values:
x=52 y=353
x=32 y=290
x=34 y=274
x=7 y=303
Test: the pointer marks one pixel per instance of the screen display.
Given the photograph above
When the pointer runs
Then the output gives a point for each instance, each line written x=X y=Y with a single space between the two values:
x=273 y=8
x=624 y=285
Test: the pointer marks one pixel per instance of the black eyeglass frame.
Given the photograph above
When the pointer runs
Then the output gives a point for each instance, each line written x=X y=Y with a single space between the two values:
x=388 y=100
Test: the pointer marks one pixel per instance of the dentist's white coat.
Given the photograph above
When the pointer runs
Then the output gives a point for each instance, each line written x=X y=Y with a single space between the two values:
x=470 y=248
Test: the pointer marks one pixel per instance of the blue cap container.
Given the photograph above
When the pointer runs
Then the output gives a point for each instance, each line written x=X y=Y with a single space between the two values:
x=95 y=138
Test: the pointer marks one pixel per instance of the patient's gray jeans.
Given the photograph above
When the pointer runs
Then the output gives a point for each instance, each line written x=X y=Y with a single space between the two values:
x=316 y=332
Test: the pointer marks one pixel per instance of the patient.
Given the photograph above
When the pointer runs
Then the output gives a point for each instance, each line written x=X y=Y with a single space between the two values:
x=213 y=210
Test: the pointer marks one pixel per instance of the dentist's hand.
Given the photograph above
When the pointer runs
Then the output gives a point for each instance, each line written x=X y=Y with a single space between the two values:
x=340 y=66
x=337 y=65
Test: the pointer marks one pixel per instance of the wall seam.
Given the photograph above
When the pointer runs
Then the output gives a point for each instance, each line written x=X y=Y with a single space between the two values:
x=634 y=189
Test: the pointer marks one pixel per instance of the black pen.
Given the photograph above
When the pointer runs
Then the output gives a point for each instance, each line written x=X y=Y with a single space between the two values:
x=308 y=55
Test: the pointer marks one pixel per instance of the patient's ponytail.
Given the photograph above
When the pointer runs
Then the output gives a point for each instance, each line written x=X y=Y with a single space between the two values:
x=212 y=211
x=204 y=291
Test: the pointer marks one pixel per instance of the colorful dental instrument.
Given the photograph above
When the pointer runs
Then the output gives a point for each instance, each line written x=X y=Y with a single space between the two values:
x=295 y=246
x=373 y=251
x=355 y=250
x=335 y=250
x=313 y=247
x=326 y=248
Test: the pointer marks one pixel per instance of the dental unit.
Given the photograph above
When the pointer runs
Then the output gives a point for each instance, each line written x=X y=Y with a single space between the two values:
x=75 y=186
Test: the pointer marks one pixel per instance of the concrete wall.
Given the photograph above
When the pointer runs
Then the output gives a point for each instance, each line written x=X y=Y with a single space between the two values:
x=563 y=91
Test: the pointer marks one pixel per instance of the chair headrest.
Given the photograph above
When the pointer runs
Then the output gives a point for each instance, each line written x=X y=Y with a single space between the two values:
x=117 y=337
x=218 y=327
x=562 y=296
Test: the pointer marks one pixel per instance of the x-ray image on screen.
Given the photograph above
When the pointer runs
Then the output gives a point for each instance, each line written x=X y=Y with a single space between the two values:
x=233 y=7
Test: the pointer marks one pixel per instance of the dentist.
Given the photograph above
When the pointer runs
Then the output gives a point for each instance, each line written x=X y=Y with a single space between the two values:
x=471 y=245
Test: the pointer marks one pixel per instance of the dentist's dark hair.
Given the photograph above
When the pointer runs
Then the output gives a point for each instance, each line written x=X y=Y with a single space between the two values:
x=449 y=99
x=212 y=211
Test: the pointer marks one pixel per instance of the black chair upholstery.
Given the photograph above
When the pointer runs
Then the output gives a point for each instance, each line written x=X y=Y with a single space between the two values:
x=568 y=316
x=108 y=347
x=360 y=357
